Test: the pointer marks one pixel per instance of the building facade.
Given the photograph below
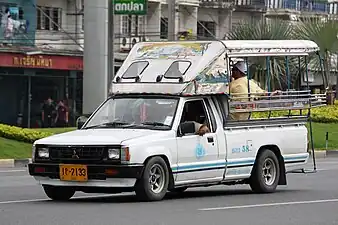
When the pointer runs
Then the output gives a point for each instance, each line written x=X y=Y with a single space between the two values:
x=41 y=49
x=40 y=57
x=209 y=19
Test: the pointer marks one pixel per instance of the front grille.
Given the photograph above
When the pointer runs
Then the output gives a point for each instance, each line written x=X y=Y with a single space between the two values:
x=77 y=153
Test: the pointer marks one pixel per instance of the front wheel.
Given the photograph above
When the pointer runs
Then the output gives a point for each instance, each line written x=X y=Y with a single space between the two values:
x=59 y=193
x=153 y=184
x=266 y=173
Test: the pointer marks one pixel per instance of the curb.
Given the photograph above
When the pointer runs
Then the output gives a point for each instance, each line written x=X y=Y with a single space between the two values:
x=332 y=153
x=319 y=154
x=325 y=154
x=11 y=163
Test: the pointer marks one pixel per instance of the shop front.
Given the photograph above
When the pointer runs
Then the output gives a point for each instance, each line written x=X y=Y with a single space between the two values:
x=27 y=81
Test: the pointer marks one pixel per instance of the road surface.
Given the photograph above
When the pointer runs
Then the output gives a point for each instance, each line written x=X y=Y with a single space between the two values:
x=310 y=199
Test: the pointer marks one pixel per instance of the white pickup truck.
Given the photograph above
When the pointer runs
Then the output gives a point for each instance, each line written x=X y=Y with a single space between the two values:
x=145 y=137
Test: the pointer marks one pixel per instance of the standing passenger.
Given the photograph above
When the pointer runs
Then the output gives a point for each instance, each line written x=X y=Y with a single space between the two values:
x=239 y=88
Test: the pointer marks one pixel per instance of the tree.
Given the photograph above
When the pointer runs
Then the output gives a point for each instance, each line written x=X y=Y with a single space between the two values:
x=266 y=29
x=324 y=33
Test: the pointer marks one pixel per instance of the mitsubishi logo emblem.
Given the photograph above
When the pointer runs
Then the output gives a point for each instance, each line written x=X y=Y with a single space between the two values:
x=75 y=154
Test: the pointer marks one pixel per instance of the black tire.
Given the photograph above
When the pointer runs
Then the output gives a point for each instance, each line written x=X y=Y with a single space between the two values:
x=258 y=183
x=144 y=189
x=59 y=193
x=179 y=190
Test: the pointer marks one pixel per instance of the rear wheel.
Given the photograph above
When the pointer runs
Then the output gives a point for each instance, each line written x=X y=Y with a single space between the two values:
x=266 y=173
x=153 y=185
x=59 y=193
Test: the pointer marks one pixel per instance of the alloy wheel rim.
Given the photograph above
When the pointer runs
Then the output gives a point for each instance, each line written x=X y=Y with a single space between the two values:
x=156 y=178
x=269 y=171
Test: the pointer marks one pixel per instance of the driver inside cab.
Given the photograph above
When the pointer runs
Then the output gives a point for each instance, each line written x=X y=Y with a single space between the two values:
x=193 y=114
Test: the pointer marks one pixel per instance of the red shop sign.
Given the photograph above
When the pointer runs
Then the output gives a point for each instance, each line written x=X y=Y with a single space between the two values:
x=55 y=62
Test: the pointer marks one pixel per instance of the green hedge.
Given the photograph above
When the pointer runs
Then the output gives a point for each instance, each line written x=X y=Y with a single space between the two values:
x=22 y=134
x=324 y=114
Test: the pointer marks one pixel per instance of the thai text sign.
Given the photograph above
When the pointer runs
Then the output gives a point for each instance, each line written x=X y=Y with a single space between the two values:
x=32 y=61
x=41 y=61
x=130 y=7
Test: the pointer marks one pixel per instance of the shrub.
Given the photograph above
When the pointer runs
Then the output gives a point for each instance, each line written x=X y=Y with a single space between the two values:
x=324 y=114
x=21 y=134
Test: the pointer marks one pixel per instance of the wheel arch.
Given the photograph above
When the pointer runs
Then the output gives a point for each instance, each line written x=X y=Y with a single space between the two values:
x=165 y=158
x=275 y=149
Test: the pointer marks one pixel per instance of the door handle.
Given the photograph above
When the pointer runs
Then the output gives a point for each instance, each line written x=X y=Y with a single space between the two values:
x=210 y=139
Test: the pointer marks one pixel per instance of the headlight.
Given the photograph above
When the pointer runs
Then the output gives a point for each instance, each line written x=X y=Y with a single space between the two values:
x=33 y=152
x=43 y=152
x=113 y=153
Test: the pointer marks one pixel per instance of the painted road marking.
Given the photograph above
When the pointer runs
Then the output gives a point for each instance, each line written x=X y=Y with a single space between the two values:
x=269 y=204
x=47 y=199
x=328 y=169
x=12 y=171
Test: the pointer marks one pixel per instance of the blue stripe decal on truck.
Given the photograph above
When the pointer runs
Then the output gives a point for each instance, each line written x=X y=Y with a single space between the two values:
x=231 y=164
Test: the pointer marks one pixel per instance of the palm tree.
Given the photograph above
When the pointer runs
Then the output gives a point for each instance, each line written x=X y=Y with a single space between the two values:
x=324 y=33
x=271 y=29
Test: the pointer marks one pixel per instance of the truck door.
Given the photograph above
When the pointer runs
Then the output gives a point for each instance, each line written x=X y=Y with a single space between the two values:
x=198 y=155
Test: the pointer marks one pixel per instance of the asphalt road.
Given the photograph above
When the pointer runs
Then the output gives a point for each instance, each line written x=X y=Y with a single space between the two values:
x=310 y=199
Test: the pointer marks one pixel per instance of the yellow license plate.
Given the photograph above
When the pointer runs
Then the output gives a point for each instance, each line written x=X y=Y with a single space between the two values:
x=73 y=172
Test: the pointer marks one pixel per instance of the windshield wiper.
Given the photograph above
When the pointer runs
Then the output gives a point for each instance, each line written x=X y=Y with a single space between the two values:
x=155 y=124
x=109 y=124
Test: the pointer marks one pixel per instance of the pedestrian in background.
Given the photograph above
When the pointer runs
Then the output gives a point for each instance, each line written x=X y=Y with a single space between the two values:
x=62 y=115
x=48 y=110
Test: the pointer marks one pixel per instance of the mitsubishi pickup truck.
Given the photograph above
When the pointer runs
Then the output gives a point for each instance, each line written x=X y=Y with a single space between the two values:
x=166 y=127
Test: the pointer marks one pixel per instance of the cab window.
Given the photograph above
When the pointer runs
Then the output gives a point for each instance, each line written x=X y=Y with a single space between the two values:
x=195 y=111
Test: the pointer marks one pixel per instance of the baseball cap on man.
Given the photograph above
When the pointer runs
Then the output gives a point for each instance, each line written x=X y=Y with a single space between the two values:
x=241 y=66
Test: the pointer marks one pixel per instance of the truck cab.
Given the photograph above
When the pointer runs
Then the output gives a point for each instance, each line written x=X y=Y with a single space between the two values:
x=166 y=127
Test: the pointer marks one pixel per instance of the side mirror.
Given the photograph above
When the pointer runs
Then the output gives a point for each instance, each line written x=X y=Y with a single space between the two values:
x=186 y=128
x=80 y=121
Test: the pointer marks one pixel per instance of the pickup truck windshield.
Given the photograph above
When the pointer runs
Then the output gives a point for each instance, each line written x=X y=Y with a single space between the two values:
x=135 y=112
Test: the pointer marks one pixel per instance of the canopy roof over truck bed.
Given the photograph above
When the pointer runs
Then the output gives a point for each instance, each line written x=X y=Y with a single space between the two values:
x=193 y=67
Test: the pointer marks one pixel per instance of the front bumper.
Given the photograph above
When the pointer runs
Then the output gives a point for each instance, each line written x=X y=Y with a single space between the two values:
x=123 y=176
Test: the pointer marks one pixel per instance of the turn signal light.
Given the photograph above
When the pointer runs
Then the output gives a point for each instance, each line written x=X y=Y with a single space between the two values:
x=125 y=155
x=39 y=170
x=111 y=172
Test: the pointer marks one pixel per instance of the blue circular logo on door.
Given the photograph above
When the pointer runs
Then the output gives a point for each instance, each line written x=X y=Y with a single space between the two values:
x=199 y=151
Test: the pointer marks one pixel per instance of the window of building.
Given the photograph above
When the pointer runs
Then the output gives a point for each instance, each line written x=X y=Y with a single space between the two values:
x=4 y=6
x=125 y=25
x=48 y=18
x=206 y=29
x=132 y=25
x=82 y=10
x=164 y=28
x=141 y=25
x=334 y=8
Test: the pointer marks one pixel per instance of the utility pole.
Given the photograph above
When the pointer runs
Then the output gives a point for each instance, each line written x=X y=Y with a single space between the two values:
x=230 y=18
x=172 y=20
x=110 y=44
